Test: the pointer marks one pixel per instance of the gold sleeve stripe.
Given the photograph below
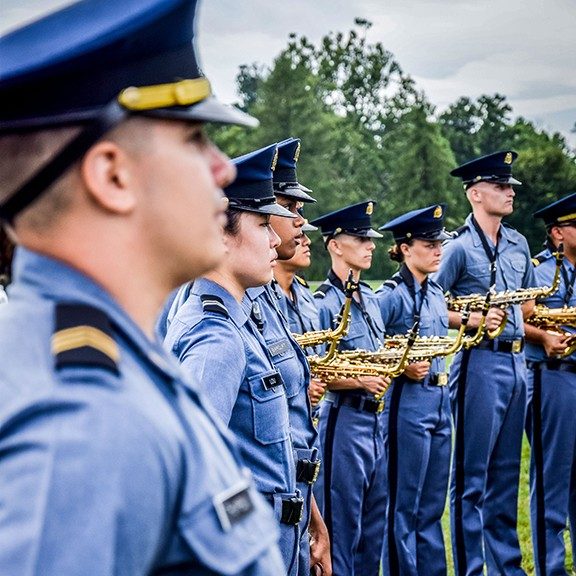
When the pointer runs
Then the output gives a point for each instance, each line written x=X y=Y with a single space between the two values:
x=182 y=93
x=80 y=336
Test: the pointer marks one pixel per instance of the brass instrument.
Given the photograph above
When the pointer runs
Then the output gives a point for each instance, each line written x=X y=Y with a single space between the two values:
x=506 y=298
x=333 y=336
x=344 y=365
x=554 y=320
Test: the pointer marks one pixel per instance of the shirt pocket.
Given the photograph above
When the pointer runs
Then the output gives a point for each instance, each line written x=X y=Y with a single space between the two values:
x=269 y=408
x=229 y=532
x=517 y=272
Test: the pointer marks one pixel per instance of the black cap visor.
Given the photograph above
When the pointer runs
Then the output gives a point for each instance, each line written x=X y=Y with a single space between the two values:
x=272 y=209
x=293 y=190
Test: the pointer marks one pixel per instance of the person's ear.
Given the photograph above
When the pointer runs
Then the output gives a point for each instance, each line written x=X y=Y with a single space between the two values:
x=107 y=174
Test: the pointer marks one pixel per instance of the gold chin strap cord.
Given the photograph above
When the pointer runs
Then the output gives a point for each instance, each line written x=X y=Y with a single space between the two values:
x=182 y=93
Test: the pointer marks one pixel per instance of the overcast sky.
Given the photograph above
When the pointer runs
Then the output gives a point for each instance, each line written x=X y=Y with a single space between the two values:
x=524 y=49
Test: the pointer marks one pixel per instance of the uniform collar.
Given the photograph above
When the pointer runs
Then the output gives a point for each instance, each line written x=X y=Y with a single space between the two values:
x=505 y=233
x=205 y=286
x=39 y=272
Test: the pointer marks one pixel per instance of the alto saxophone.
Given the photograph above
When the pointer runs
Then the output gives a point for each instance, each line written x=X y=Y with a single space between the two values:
x=555 y=321
x=333 y=336
x=506 y=298
x=344 y=364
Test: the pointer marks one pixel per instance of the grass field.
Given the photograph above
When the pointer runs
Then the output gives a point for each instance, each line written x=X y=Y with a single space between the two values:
x=523 y=521
x=523 y=508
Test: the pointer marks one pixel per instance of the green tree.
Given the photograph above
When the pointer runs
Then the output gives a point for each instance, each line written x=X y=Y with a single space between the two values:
x=547 y=170
x=476 y=128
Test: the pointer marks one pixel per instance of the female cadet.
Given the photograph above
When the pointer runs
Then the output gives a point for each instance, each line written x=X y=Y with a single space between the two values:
x=215 y=341
x=417 y=412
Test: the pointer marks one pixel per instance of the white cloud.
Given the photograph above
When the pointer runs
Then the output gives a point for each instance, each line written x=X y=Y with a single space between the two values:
x=524 y=49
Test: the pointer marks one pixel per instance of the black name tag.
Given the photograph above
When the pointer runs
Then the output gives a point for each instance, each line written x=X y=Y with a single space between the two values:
x=272 y=381
x=279 y=348
x=233 y=504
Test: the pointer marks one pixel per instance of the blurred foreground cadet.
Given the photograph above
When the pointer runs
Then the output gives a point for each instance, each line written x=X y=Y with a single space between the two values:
x=109 y=464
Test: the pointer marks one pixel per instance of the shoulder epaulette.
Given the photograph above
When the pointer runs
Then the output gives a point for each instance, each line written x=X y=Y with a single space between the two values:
x=365 y=284
x=83 y=336
x=214 y=304
x=322 y=290
x=393 y=282
x=301 y=280
x=537 y=260
x=459 y=231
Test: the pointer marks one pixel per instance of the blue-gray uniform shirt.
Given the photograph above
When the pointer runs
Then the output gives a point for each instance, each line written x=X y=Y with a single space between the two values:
x=544 y=273
x=397 y=308
x=109 y=465
x=229 y=359
x=289 y=358
x=300 y=310
x=366 y=330
x=465 y=269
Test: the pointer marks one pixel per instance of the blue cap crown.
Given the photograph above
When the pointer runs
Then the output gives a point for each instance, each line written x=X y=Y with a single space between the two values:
x=97 y=62
x=68 y=65
x=496 y=167
x=285 y=178
x=560 y=212
x=354 y=220
x=252 y=190
x=423 y=223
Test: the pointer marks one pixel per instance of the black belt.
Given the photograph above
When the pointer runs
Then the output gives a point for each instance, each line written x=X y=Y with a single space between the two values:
x=438 y=379
x=359 y=402
x=307 y=470
x=553 y=365
x=497 y=345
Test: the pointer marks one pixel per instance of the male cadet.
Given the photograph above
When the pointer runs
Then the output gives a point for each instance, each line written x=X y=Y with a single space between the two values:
x=351 y=419
x=488 y=404
x=298 y=304
x=108 y=464
x=550 y=421
x=261 y=304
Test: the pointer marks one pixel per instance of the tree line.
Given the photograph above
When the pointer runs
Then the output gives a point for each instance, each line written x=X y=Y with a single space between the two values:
x=368 y=132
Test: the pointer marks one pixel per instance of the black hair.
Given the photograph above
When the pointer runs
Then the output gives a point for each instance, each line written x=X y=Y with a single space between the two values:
x=232 y=226
x=394 y=251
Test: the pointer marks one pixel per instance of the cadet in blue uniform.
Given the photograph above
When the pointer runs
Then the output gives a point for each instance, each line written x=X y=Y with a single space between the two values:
x=109 y=464
x=215 y=341
x=351 y=421
x=296 y=301
x=417 y=412
x=550 y=420
x=488 y=405
x=261 y=304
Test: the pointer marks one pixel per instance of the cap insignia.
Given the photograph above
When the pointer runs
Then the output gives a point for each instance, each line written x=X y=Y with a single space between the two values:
x=438 y=212
x=508 y=158
x=369 y=208
x=274 y=160
x=297 y=153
